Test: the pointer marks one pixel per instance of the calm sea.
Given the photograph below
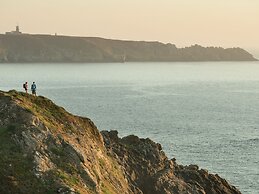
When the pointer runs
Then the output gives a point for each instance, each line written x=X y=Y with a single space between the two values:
x=201 y=113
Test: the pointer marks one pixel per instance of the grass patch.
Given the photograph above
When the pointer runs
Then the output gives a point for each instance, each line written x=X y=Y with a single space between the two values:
x=58 y=151
x=2 y=131
x=105 y=188
x=16 y=175
x=102 y=163
x=7 y=130
x=68 y=178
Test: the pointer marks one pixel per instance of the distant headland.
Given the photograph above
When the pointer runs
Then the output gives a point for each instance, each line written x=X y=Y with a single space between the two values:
x=18 y=47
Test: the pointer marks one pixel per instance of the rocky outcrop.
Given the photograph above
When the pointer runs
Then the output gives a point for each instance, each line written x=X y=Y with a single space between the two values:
x=148 y=169
x=47 y=48
x=45 y=149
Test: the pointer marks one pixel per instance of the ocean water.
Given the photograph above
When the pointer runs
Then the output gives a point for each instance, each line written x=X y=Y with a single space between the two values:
x=202 y=113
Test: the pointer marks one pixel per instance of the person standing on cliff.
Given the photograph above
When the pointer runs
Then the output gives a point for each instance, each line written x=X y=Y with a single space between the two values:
x=33 y=89
x=25 y=87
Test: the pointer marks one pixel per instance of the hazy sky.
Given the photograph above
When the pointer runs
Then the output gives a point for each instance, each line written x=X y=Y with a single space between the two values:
x=227 y=23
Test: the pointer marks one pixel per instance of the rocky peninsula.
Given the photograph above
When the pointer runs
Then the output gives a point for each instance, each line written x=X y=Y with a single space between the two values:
x=45 y=149
x=27 y=48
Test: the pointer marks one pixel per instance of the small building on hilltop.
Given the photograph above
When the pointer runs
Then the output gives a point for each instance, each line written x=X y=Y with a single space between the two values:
x=16 y=32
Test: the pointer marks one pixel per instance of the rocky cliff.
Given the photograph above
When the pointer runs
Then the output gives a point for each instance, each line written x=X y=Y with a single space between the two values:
x=45 y=149
x=47 y=48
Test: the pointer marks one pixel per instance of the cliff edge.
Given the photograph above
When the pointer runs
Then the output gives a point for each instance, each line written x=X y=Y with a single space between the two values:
x=45 y=149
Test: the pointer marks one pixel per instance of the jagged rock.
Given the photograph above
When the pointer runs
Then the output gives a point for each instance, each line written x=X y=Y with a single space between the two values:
x=45 y=149
x=152 y=172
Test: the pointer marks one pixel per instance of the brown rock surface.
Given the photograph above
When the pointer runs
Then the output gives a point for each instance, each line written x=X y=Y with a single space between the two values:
x=148 y=169
x=45 y=149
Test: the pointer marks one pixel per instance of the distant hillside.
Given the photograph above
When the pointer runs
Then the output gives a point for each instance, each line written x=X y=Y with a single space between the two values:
x=47 y=48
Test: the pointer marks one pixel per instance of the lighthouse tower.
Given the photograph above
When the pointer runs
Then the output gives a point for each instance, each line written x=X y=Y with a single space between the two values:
x=16 y=32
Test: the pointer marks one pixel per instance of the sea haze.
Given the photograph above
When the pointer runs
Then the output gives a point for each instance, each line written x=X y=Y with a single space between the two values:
x=202 y=113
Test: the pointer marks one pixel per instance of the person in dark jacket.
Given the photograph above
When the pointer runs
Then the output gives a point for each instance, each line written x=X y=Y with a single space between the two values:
x=33 y=89
x=25 y=87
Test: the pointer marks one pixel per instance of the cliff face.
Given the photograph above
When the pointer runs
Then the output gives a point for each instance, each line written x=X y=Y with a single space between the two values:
x=148 y=168
x=45 y=149
x=46 y=48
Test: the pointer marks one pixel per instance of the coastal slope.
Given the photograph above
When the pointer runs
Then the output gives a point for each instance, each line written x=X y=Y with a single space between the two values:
x=45 y=149
x=25 y=48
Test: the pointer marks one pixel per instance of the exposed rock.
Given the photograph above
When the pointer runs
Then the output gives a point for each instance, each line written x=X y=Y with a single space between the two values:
x=45 y=149
x=148 y=169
